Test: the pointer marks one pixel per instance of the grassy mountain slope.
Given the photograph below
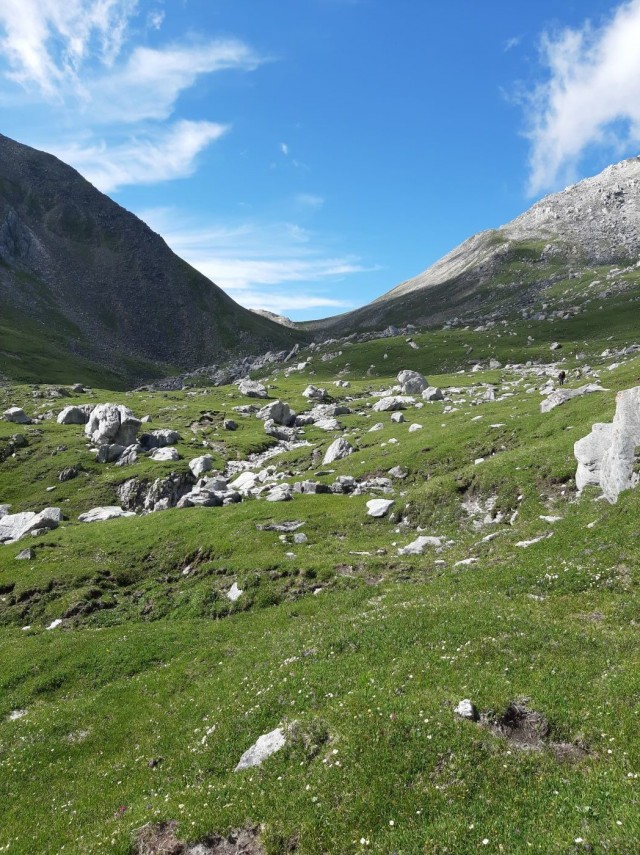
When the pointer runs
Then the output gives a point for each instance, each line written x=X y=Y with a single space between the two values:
x=91 y=285
x=138 y=707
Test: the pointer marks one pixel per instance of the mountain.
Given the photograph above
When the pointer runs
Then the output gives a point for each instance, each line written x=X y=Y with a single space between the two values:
x=88 y=291
x=590 y=224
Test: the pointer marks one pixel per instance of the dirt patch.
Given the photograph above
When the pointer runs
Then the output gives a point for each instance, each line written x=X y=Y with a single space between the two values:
x=528 y=730
x=525 y=728
x=161 y=839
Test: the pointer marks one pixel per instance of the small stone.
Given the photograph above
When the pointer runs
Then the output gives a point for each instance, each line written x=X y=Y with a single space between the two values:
x=466 y=709
x=27 y=554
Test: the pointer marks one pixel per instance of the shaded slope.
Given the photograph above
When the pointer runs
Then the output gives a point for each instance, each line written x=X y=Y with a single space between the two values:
x=102 y=287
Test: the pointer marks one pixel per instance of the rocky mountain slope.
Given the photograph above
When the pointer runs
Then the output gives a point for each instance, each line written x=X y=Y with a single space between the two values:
x=89 y=283
x=590 y=224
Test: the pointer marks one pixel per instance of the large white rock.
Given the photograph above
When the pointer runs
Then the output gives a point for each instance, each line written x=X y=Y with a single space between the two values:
x=252 y=389
x=412 y=382
x=561 y=396
x=200 y=465
x=328 y=424
x=379 y=507
x=393 y=402
x=607 y=456
x=108 y=512
x=73 y=416
x=17 y=415
x=617 y=472
x=589 y=452
x=266 y=745
x=277 y=411
x=338 y=450
x=112 y=424
x=15 y=526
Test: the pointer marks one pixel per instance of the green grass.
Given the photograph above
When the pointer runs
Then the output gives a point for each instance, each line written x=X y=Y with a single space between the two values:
x=367 y=650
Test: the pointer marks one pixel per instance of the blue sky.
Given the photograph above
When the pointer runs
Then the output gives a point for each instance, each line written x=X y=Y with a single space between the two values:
x=308 y=155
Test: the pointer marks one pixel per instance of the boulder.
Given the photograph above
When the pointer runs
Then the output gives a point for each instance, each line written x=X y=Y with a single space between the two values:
x=105 y=513
x=414 y=427
x=466 y=709
x=589 y=452
x=277 y=411
x=338 y=450
x=433 y=393
x=200 y=465
x=329 y=411
x=17 y=415
x=162 y=455
x=393 y=402
x=281 y=493
x=73 y=416
x=397 y=418
x=412 y=382
x=112 y=424
x=561 y=396
x=313 y=393
x=15 y=526
x=109 y=453
x=245 y=482
x=607 y=456
x=252 y=389
x=379 y=507
x=229 y=424
x=27 y=554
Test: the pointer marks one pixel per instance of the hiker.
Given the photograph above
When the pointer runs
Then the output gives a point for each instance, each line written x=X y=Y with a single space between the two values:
x=562 y=376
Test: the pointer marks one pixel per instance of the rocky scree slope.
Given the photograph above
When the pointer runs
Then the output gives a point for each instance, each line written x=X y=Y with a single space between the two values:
x=95 y=274
x=593 y=223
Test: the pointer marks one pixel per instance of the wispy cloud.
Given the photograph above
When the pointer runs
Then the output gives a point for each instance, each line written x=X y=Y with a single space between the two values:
x=253 y=261
x=512 y=43
x=119 y=100
x=591 y=96
x=284 y=148
x=166 y=153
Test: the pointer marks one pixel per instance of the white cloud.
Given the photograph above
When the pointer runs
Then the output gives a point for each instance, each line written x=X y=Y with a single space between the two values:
x=512 y=43
x=149 y=84
x=591 y=96
x=45 y=42
x=76 y=57
x=309 y=200
x=284 y=148
x=167 y=153
x=252 y=260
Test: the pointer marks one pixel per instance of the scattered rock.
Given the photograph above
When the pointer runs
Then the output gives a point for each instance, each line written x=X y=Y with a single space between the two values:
x=112 y=424
x=234 y=593
x=162 y=455
x=338 y=450
x=74 y=416
x=393 y=402
x=277 y=411
x=379 y=507
x=561 y=396
x=200 y=465
x=412 y=382
x=432 y=393
x=252 y=389
x=417 y=546
x=17 y=415
x=108 y=512
x=27 y=554
x=15 y=526
x=266 y=745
